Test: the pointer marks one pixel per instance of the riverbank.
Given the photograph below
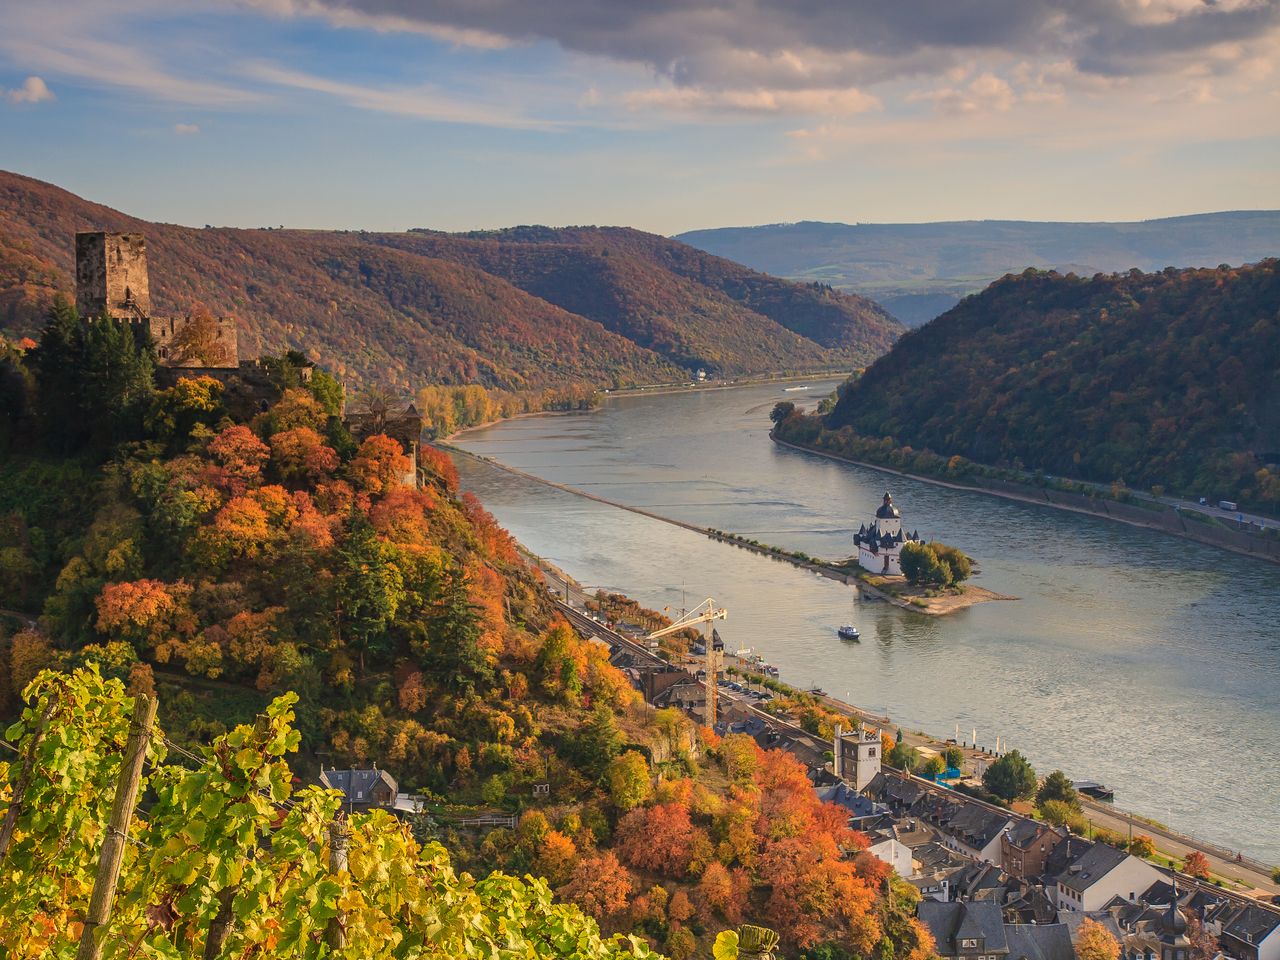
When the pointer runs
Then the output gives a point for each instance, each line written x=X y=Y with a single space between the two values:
x=1243 y=875
x=1162 y=519
x=893 y=590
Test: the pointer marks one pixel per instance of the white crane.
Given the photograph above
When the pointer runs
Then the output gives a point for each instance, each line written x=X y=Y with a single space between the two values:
x=703 y=613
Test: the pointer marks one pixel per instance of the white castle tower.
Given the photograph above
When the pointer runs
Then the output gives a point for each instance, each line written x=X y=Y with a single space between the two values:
x=880 y=544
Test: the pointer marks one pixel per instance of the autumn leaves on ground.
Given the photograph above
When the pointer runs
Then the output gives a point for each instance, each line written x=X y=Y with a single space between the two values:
x=221 y=555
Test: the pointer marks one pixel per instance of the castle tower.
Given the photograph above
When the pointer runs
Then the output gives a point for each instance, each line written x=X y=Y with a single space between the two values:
x=111 y=276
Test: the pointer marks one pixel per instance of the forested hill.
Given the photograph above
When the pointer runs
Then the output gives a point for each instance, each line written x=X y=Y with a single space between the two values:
x=1168 y=378
x=521 y=309
x=919 y=270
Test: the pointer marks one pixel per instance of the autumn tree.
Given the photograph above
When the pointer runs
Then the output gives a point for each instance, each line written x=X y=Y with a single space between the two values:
x=627 y=777
x=600 y=885
x=658 y=839
x=1142 y=846
x=1196 y=865
x=1095 y=942
x=722 y=894
x=240 y=455
x=301 y=455
x=199 y=341
x=379 y=464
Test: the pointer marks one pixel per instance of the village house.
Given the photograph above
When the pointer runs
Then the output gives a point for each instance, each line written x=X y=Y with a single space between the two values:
x=1025 y=846
x=965 y=931
x=362 y=789
x=1100 y=874
x=1250 y=932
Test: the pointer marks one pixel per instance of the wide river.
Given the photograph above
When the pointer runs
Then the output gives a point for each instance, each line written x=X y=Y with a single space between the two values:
x=1143 y=661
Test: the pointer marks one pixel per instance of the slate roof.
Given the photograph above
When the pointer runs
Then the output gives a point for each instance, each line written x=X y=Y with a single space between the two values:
x=1069 y=849
x=1024 y=833
x=843 y=795
x=1040 y=941
x=1100 y=860
x=952 y=922
x=357 y=785
x=1251 y=924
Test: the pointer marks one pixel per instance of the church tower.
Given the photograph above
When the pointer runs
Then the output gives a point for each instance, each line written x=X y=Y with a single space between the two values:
x=857 y=755
x=111 y=276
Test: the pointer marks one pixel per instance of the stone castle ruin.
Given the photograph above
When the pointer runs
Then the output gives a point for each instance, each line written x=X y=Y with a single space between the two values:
x=111 y=281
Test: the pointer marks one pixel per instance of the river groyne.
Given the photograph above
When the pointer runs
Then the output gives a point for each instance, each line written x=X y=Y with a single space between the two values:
x=1165 y=519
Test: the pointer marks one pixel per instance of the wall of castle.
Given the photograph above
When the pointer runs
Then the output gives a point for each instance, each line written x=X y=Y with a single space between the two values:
x=210 y=343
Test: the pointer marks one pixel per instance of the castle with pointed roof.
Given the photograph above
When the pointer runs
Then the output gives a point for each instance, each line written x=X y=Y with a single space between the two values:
x=880 y=543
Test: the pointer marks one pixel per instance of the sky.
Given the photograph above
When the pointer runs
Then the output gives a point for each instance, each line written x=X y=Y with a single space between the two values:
x=666 y=115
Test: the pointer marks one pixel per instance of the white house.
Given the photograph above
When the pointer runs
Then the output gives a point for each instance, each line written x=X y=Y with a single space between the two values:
x=1101 y=874
x=896 y=854
x=880 y=544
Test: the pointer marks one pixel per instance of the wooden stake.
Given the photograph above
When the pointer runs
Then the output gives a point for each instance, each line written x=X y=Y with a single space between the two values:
x=24 y=777
x=222 y=924
x=112 y=857
x=335 y=933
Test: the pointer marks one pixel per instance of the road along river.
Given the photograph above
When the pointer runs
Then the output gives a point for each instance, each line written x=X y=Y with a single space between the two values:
x=1134 y=658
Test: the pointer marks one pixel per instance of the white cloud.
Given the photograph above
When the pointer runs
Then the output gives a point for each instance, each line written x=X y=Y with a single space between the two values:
x=986 y=92
x=74 y=38
x=700 y=100
x=186 y=129
x=423 y=103
x=33 y=90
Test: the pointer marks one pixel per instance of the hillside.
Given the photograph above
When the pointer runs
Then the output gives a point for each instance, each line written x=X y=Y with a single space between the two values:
x=920 y=270
x=1148 y=379
x=280 y=585
x=524 y=311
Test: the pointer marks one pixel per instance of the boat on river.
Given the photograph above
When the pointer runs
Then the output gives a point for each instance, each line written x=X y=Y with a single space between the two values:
x=848 y=632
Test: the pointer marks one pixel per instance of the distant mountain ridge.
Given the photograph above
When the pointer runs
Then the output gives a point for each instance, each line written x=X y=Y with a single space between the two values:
x=524 y=309
x=919 y=270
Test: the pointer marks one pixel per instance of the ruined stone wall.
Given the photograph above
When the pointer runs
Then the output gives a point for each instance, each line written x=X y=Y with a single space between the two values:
x=111 y=275
x=196 y=342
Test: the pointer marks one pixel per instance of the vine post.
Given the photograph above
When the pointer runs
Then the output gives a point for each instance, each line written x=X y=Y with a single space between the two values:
x=113 y=844
x=339 y=843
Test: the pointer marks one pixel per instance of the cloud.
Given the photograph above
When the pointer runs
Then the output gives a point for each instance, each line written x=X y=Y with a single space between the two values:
x=73 y=39
x=423 y=103
x=698 y=100
x=985 y=92
x=33 y=90
x=186 y=129
x=816 y=44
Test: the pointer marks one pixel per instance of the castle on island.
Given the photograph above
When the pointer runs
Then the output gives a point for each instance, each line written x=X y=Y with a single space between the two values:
x=880 y=544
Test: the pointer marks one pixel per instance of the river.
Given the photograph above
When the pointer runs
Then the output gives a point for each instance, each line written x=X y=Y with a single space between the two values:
x=1134 y=658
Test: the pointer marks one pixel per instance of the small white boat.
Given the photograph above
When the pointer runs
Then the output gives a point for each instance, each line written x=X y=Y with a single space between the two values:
x=848 y=632
x=794 y=389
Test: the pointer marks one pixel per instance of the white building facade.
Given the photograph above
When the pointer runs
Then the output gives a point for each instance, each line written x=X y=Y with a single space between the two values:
x=880 y=544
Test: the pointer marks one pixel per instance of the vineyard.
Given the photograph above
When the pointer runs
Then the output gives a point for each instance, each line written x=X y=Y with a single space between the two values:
x=224 y=859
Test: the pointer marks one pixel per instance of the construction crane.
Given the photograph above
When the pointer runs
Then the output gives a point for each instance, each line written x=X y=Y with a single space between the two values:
x=704 y=613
